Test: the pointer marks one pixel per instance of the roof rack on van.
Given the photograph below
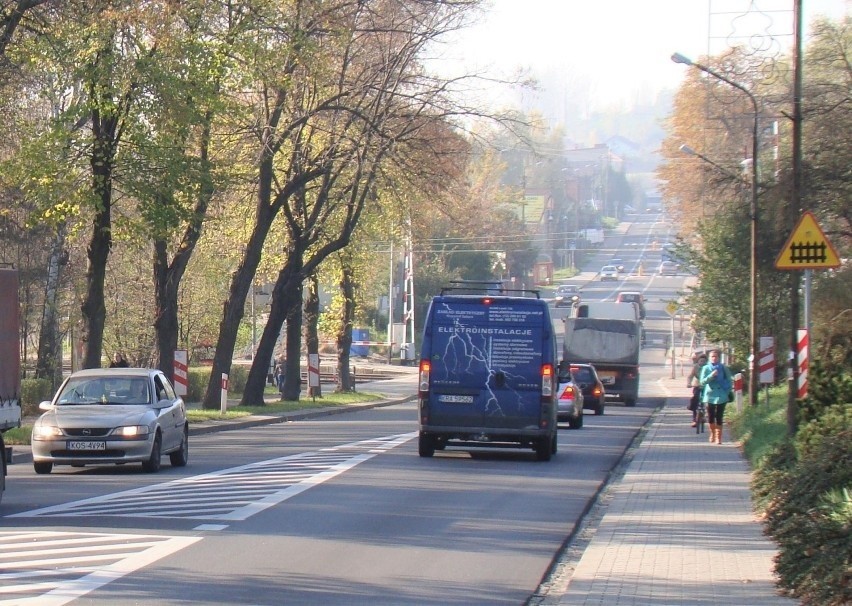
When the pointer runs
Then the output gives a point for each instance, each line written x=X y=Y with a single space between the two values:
x=487 y=287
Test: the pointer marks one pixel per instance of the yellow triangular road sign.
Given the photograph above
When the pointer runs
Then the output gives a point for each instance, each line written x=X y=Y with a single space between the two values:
x=807 y=247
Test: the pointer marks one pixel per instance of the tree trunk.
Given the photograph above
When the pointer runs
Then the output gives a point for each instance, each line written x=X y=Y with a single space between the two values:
x=166 y=302
x=49 y=362
x=286 y=304
x=93 y=307
x=167 y=278
x=344 y=336
x=311 y=320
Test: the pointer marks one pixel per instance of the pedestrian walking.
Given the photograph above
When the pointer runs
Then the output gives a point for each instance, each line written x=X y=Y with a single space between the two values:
x=119 y=361
x=716 y=384
x=693 y=381
x=279 y=375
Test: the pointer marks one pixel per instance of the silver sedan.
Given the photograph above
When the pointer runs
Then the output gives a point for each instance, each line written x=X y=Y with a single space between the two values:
x=112 y=416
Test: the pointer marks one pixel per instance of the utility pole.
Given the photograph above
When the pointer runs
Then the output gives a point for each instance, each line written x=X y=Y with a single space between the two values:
x=793 y=213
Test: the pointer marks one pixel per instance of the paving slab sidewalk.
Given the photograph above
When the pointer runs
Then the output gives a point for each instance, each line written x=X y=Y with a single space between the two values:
x=679 y=527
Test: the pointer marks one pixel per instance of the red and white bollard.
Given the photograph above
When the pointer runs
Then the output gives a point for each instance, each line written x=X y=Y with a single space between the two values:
x=223 y=403
x=738 y=391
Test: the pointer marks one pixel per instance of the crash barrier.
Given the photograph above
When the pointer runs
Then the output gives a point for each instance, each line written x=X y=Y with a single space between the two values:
x=328 y=374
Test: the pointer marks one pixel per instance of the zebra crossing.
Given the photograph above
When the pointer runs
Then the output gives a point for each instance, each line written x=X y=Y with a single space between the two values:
x=228 y=495
x=54 y=568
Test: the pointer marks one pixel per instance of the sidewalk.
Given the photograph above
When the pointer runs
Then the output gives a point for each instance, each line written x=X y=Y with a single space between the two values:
x=678 y=528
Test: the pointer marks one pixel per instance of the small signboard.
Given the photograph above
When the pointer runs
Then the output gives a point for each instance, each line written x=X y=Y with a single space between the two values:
x=807 y=247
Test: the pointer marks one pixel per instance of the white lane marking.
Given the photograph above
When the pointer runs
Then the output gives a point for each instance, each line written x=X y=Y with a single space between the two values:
x=55 y=568
x=230 y=494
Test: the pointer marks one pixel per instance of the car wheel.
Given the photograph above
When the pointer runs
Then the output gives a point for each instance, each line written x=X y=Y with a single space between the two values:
x=152 y=465
x=543 y=449
x=425 y=446
x=599 y=409
x=576 y=423
x=180 y=457
x=43 y=467
x=630 y=402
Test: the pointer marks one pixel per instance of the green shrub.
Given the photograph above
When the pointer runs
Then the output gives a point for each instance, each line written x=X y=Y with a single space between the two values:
x=826 y=388
x=771 y=476
x=812 y=527
x=609 y=222
x=198 y=377
x=33 y=392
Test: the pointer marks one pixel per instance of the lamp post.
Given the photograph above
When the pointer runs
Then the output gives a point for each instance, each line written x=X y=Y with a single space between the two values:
x=753 y=382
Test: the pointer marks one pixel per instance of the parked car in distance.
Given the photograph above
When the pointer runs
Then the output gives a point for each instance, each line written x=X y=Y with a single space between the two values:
x=609 y=272
x=618 y=263
x=668 y=268
x=566 y=295
x=569 y=406
x=112 y=416
x=630 y=296
x=586 y=377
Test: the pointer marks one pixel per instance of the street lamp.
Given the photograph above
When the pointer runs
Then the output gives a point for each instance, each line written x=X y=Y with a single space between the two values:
x=752 y=384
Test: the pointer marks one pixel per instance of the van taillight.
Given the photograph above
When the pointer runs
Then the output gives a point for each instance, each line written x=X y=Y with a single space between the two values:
x=547 y=381
x=423 y=382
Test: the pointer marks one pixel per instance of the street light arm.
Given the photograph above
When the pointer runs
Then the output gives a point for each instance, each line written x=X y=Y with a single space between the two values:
x=678 y=58
x=691 y=152
x=753 y=211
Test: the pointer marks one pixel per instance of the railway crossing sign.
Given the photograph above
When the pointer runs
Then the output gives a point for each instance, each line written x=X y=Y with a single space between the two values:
x=807 y=247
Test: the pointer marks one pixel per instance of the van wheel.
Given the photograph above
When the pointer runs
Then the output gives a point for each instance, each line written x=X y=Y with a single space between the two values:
x=630 y=402
x=553 y=443
x=599 y=410
x=426 y=445
x=543 y=449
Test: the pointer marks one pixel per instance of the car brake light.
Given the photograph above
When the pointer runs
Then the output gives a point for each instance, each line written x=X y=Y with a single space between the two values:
x=597 y=391
x=546 y=381
x=423 y=382
x=567 y=393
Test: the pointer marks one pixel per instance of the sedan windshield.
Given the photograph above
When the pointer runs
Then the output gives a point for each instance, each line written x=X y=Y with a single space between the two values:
x=100 y=390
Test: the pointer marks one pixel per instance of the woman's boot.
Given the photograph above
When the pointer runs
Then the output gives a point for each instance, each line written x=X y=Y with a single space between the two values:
x=719 y=434
x=712 y=437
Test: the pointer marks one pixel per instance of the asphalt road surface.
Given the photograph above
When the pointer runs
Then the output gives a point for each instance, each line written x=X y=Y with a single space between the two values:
x=338 y=510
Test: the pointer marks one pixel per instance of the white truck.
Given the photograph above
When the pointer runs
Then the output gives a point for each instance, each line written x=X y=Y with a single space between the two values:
x=10 y=363
x=594 y=237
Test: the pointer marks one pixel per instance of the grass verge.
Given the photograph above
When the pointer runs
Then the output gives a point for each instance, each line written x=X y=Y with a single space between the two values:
x=760 y=427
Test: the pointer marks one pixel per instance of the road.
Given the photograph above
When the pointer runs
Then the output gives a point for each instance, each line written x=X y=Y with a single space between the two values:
x=339 y=510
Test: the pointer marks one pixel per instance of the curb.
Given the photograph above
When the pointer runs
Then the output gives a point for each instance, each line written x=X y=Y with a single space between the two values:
x=24 y=453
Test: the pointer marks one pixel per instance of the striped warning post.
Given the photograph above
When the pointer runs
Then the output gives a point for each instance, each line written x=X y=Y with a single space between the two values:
x=802 y=360
x=766 y=360
x=181 y=372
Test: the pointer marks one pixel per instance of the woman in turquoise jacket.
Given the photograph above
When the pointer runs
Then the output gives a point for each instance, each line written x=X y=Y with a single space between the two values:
x=716 y=383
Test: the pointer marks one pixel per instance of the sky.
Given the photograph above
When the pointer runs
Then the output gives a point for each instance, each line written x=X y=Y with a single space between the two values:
x=618 y=49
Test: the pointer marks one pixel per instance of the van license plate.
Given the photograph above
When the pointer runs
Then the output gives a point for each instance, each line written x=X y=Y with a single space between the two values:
x=86 y=445
x=456 y=399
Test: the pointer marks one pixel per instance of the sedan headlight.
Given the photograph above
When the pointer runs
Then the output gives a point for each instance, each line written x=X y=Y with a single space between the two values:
x=46 y=432
x=131 y=431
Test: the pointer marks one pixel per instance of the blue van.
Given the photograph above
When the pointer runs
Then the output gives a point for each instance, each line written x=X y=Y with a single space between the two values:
x=488 y=373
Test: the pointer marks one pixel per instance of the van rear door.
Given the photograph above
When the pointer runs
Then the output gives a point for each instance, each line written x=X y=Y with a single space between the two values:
x=486 y=359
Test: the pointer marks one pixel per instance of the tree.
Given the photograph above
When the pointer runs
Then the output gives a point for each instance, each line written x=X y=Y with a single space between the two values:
x=378 y=107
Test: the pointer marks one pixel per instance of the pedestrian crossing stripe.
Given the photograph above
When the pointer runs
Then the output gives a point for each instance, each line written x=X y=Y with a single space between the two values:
x=807 y=247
